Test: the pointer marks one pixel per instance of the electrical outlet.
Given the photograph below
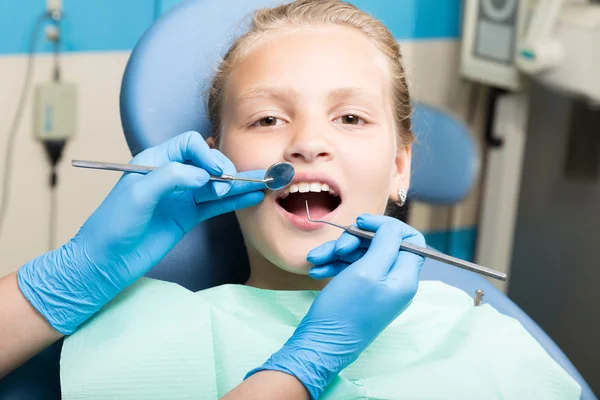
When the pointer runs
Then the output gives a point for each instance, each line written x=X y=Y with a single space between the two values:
x=55 y=111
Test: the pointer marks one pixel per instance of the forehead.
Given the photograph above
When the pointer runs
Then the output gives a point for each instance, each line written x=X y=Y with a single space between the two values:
x=312 y=60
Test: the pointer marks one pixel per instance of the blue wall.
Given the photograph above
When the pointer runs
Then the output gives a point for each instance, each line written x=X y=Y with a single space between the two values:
x=459 y=242
x=112 y=25
x=103 y=25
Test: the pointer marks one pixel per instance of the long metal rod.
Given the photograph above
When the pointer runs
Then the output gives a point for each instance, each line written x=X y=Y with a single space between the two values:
x=144 y=169
x=421 y=251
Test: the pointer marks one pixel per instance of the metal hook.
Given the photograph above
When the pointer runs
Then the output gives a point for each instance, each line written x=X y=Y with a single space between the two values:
x=478 y=296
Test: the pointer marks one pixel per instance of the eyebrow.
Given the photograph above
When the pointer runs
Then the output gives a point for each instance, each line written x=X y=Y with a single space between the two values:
x=347 y=92
x=262 y=92
x=287 y=94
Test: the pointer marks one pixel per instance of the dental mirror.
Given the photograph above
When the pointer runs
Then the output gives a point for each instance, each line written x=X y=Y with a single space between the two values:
x=278 y=176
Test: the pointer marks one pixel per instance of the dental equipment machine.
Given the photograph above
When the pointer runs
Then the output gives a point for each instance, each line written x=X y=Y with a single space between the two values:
x=278 y=176
x=418 y=250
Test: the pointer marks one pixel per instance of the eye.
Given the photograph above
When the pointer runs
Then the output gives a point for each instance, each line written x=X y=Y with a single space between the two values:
x=351 y=119
x=268 y=121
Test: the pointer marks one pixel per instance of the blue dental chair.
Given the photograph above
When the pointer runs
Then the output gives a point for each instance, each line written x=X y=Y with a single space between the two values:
x=162 y=96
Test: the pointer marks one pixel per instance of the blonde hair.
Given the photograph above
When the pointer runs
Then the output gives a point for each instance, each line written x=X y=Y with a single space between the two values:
x=316 y=12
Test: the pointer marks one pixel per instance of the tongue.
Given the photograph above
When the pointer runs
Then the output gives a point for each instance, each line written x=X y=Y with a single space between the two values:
x=319 y=204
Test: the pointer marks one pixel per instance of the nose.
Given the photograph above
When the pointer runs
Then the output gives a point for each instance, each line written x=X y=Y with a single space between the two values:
x=308 y=143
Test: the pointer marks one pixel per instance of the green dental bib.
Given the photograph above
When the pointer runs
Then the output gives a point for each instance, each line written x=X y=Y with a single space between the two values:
x=157 y=340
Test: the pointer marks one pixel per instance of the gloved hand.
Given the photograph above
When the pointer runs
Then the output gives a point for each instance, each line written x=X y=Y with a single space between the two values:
x=140 y=221
x=375 y=282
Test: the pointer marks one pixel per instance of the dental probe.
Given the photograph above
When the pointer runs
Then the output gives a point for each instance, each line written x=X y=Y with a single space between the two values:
x=418 y=250
x=278 y=176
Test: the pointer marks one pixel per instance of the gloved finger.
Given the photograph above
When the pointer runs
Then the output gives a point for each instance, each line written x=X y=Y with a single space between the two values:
x=354 y=256
x=207 y=193
x=322 y=254
x=327 y=270
x=407 y=267
x=371 y=222
x=334 y=267
x=384 y=247
x=342 y=248
x=326 y=255
x=221 y=188
x=347 y=243
x=364 y=243
x=165 y=180
x=213 y=208
x=406 y=270
x=371 y=225
x=188 y=146
x=335 y=249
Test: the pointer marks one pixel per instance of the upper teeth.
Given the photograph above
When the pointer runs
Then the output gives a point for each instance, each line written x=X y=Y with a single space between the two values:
x=304 y=187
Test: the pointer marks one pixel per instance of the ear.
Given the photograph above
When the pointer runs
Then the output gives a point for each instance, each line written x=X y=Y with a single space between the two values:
x=211 y=142
x=401 y=177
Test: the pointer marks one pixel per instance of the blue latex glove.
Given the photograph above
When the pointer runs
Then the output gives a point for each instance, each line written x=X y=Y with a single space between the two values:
x=375 y=282
x=140 y=221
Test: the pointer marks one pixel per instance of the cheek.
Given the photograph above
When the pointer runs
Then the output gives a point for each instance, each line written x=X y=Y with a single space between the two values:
x=370 y=170
x=249 y=151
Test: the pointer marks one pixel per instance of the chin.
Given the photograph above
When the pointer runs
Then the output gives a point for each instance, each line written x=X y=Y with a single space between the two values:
x=287 y=248
x=297 y=267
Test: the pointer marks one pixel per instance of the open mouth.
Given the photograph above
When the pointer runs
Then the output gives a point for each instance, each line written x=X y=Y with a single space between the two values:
x=322 y=199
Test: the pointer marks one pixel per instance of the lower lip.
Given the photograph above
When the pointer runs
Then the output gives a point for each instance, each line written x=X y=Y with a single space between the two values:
x=302 y=222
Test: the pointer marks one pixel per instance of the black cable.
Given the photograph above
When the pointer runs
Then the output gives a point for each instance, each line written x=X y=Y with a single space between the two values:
x=56 y=74
x=54 y=150
x=493 y=96
x=56 y=18
x=14 y=127
x=53 y=214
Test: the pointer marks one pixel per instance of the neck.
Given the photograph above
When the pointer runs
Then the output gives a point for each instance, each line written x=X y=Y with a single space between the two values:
x=266 y=275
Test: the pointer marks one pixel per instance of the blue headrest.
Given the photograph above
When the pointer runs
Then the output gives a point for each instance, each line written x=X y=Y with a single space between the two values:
x=445 y=157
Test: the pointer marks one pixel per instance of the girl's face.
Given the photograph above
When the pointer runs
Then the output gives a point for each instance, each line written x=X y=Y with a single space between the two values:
x=321 y=99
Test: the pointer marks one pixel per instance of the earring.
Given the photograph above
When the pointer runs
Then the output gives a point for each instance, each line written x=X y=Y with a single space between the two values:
x=402 y=197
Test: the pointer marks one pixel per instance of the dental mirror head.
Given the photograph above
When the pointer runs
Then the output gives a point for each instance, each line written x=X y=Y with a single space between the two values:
x=279 y=175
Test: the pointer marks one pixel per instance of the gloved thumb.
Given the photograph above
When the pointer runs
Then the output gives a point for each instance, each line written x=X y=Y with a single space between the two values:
x=168 y=179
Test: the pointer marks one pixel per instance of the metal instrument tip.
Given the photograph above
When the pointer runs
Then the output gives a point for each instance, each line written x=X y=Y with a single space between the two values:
x=308 y=212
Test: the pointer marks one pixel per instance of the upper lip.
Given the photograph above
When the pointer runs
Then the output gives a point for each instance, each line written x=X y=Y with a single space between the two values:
x=310 y=177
